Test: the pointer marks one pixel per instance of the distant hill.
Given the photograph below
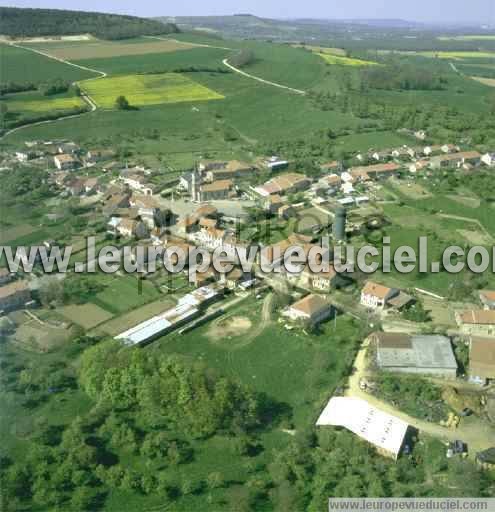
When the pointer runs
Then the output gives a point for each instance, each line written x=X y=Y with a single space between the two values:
x=17 y=22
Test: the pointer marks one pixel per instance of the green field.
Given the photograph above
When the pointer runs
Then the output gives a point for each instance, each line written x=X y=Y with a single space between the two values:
x=21 y=65
x=159 y=62
x=143 y=90
x=475 y=37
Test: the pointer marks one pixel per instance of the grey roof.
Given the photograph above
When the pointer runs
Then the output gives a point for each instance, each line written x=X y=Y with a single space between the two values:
x=427 y=351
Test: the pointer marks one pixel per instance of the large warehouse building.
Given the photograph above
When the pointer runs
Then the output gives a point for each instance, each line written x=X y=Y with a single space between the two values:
x=415 y=353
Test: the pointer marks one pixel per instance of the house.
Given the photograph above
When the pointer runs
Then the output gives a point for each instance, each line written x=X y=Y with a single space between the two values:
x=75 y=187
x=14 y=295
x=273 y=203
x=320 y=281
x=487 y=298
x=114 y=202
x=65 y=162
x=229 y=170
x=68 y=148
x=94 y=156
x=24 y=156
x=276 y=164
x=138 y=181
x=476 y=322
x=331 y=182
x=91 y=185
x=449 y=148
x=149 y=210
x=188 y=224
x=286 y=212
x=420 y=134
x=235 y=278
x=130 y=227
x=284 y=184
x=387 y=433
x=456 y=160
x=221 y=189
x=488 y=159
x=403 y=152
x=378 y=171
x=419 y=165
x=206 y=210
x=432 y=150
x=481 y=360
x=376 y=296
x=415 y=353
x=380 y=156
x=312 y=309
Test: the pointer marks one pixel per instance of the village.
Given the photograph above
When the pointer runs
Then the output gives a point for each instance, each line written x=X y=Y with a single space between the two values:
x=267 y=203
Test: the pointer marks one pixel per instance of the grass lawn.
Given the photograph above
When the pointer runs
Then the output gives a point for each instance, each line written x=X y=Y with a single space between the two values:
x=123 y=293
x=142 y=90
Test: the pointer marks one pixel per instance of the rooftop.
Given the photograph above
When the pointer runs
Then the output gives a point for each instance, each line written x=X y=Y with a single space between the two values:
x=375 y=426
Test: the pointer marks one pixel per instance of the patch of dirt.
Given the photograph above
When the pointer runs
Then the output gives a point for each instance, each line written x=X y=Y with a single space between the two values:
x=230 y=327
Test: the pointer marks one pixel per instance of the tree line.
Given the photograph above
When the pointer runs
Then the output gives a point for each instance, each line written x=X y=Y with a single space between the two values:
x=53 y=22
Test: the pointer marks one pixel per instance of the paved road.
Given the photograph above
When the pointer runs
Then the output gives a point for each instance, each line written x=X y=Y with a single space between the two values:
x=262 y=80
x=479 y=435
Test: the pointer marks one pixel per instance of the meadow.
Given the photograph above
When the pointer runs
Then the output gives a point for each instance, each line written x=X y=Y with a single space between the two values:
x=21 y=65
x=473 y=37
x=143 y=90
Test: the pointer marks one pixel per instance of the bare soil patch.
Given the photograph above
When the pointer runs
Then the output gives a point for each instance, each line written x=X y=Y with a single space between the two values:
x=229 y=327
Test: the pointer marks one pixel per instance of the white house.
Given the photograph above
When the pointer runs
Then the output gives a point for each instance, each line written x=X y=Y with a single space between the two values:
x=488 y=159
x=313 y=309
x=375 y=296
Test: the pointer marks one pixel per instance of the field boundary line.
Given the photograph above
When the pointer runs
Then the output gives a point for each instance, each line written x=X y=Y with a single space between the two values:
x=225 y=62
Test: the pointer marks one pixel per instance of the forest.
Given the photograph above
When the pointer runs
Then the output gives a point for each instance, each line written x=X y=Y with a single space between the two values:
x=51 y=22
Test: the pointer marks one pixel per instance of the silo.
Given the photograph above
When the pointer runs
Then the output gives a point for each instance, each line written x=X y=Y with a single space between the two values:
x=339 y=225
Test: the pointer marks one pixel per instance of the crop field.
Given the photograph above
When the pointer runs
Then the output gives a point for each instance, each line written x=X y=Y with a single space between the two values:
x=344 y=61
x=45 y=105
x=108 y=49
x=457 y=55
x=142 y=90
x=23 y=65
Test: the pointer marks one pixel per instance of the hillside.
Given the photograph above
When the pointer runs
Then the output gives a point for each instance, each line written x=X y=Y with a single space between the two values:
x=53 y=22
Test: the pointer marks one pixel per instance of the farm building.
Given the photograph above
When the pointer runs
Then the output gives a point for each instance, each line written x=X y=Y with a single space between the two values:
x=386 y=432
x=221 y=189
x=456 y=160
x=481 y=360
x=476 y=322
x=378 y=171
x=226 y=170
x=417 y=353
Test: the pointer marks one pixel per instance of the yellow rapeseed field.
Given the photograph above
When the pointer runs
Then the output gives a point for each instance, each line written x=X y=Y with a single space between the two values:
x=142 y=90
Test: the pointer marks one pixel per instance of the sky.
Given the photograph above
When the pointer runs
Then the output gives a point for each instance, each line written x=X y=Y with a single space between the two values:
x=449 y=11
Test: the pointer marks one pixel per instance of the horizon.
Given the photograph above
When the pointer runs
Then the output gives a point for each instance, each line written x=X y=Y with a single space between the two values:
x=478 y=12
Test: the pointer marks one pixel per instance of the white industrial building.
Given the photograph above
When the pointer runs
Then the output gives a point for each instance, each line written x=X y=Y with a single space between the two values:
x=386 y=432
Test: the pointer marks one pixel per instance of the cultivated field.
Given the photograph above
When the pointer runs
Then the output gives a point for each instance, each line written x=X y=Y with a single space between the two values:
x=142 y=90
x=344 y=61
x=108 y=49
x=475 y=37
x=322 y=49
x=43 y=105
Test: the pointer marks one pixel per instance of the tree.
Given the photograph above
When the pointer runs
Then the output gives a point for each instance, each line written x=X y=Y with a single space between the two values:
x=122 y=103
